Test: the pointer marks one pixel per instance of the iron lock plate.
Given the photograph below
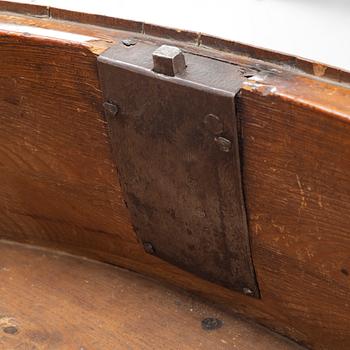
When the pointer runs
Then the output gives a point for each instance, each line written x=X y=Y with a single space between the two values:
x=175 y=143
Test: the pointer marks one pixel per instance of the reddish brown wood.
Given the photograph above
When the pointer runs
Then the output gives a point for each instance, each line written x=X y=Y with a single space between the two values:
x=171 y=34
x=59 y=186
x=27 y=9
x=54 y=301
x=87 y=18
x=296 y=171
x=201 y=39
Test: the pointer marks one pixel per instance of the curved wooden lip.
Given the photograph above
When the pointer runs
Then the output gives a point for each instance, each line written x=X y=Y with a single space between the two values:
x=304 y=65
x=111 y=245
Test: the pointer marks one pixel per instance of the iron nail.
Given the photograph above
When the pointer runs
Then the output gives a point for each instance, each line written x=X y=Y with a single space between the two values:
x=224 y=144
x=210 y=323
x=247 y=291
x=129 y=42
x=148 y=248
x=213 y=124
x=110 y=108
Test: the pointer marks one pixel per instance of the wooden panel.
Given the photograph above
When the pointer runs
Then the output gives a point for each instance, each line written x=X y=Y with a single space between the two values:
x=111 y=22
x=296 y=171
x=59 y=186
x=62 y=302
x=54 y=148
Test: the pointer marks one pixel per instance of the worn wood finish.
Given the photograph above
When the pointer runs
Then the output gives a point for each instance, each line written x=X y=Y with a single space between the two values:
x=201 y=39
x=27 y=9
x=297 y=159
x=53 y=301
x=59 y=186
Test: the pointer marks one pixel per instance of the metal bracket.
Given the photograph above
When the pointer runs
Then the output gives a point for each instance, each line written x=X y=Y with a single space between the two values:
x=173 y=132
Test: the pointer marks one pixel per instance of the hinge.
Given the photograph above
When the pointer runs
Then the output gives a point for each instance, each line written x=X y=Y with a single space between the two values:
x=173 y=131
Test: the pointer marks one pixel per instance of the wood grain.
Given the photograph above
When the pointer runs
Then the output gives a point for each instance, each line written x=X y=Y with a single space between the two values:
x=54 y=301
x=111 y=22
x=296 y=170
x=255 y=53
x=29 y=9
x=59 y=187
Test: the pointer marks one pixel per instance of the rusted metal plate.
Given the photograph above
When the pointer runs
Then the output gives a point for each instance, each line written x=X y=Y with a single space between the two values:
x=174 y=139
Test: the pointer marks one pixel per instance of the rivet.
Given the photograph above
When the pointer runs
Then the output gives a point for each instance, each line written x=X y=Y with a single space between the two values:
x=213 y=124
x=110 y=109
x=247 y=291
x=129 y=42
x=148 y=248
x=224 y=144
x=10 y=330
x=210 y=323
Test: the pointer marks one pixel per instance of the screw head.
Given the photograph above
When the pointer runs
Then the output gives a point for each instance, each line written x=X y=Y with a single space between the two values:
x=111 y=109
x=148 y=248
x=210 y=323
x=223 y=144
x=129 y=42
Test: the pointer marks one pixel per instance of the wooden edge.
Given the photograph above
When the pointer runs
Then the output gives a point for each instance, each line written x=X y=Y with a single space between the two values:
x=312 y=94
x=25 y=9
x=302 y=64
x=299 y=63
x=99 y=20
x=172 y=34
x=265 y=78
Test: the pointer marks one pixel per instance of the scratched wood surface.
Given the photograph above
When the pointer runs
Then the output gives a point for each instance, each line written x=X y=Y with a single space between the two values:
x=59 y=187
x=56 y=302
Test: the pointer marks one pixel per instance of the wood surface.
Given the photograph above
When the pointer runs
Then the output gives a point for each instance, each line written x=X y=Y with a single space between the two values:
x=59 y=187
x=51 y=301
x=118 y=17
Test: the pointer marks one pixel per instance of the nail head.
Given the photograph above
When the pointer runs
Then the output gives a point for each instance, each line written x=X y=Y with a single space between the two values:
x=211 y=323
x=129 y=42
x=148 y=248
x=213 y=124
x=110 y=108
x=247 y=291
x=223 y=143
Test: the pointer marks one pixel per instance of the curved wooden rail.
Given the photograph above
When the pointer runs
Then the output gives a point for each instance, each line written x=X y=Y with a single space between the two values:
x=59 y=186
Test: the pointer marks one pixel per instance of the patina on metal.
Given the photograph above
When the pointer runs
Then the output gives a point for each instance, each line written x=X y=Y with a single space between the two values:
x=176 y=149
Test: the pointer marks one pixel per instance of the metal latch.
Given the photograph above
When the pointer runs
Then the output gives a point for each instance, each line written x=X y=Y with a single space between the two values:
x=173 y=131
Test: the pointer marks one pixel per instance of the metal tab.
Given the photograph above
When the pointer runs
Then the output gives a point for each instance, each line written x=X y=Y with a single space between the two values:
x=176 y=148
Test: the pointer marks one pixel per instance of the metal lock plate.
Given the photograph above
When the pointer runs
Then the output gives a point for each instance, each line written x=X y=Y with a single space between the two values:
x=174 y=139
